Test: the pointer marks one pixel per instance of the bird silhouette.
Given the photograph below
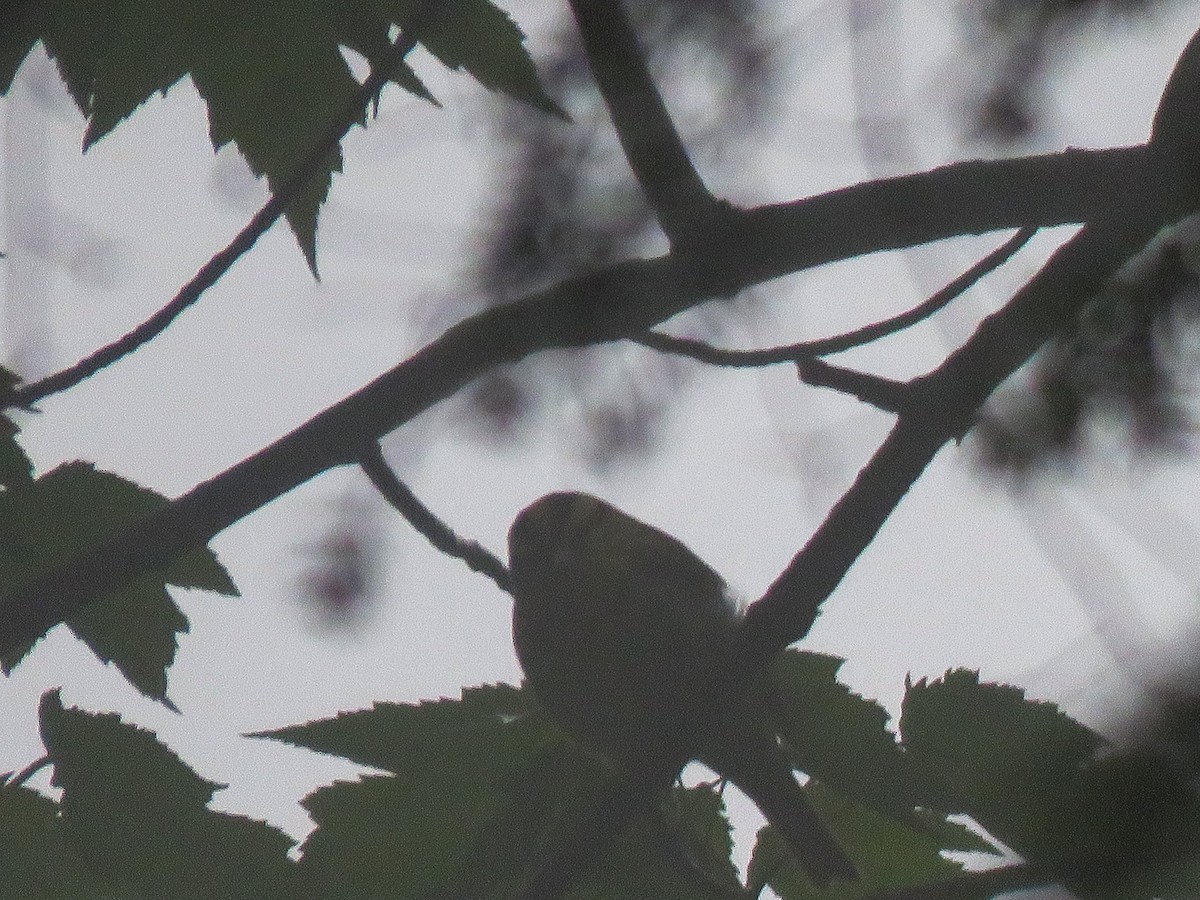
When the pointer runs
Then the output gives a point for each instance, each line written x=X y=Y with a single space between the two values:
x=629 y=639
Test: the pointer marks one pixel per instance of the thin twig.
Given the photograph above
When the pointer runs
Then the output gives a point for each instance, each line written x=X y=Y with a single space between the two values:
x=882 y=393
x=823 y=346
x=652 y=145
x=220 y=263
x=422 y=518
x=28 y=772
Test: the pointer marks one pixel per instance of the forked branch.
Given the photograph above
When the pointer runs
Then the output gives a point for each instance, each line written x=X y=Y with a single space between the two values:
x=648 y=136
x=706 y=353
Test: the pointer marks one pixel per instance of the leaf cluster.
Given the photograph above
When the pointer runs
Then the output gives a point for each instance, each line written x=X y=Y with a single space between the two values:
x=473 y=797
x=273 y=75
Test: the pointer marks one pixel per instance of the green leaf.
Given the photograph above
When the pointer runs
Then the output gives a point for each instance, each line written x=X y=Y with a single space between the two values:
x=984 y=750
x=456 y=765
x=155 y=45
x=842 y=739
x=485 y=791
x=889 y=854
x=838 y=736
x=670 y=854
x=272 y=74
x=21 y=24
x=37 y=862
x=77 y=35
x=138 y=815
x=50 y=521
x=492 y=720
x=15 y=467
x=361 y=26
x=481 y=38
x=275 y=83
x=1111 y=823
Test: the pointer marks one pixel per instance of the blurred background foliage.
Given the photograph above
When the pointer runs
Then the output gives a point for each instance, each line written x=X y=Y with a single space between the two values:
x=568 y=204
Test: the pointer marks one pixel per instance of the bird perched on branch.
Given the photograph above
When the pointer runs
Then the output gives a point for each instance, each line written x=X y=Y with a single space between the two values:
x=629 y=640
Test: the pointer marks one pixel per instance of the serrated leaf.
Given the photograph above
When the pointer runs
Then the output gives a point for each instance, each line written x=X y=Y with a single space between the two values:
x=155 y=45
x=481 y=38
x=1112 y=823
x=361 y=26
x=138 y=814
x=135 y=631
x=37 y=863
x=77 y=35
x=458 y=766
x=50 y=521
x=484 y=793
x=838 y=736
x=274 y=83
x=985 y=750
x=491 y=720
x=21 y=24
x=271 y=74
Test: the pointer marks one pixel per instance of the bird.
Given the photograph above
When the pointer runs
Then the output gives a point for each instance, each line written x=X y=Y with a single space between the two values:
x=629 y=640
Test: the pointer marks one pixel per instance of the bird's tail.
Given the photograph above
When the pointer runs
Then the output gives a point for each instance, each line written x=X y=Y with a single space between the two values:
x=769 y=782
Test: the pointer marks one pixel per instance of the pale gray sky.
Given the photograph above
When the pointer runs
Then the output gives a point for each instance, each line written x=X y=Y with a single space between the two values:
x=961 y=576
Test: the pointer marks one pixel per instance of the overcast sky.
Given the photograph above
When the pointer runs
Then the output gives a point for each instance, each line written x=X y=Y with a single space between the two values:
x=963 y=575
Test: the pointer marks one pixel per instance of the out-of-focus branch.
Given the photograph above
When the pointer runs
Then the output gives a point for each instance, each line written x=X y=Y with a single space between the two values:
x=707 y=353
x=421 y=517
x=212 y=271
x=647 y=134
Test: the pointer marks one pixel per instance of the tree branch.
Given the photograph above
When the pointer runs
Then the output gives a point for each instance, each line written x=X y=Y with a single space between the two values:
x=883 y=393
x=945 y=402
x=276 y=205
x=610 y=304
x=706 y=353
x=647 y=134
x=422 y=518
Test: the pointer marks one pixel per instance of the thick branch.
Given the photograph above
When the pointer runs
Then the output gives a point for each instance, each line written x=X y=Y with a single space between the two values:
x=616 y=302
x=652 y=145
